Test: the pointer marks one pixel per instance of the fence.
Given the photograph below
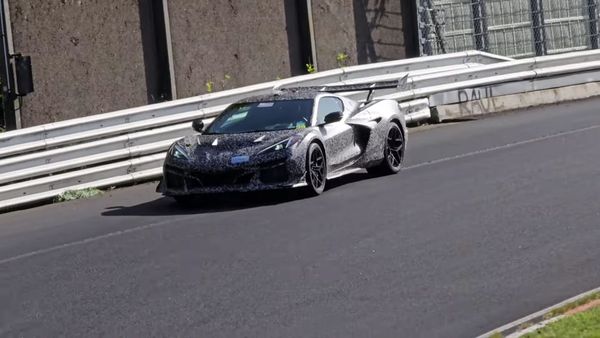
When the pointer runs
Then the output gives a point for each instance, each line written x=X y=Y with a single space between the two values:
x=515 y=28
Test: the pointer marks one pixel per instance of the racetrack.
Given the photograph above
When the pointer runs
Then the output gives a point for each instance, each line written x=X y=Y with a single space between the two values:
x=490 y=221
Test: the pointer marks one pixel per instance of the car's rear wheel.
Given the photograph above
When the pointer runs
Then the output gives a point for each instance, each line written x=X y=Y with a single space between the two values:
x=316 y=169
x=393 y=152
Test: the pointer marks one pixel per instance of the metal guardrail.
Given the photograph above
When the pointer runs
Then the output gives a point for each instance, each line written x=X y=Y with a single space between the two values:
x=129 y=146
x=129 y=120
x=423 y=85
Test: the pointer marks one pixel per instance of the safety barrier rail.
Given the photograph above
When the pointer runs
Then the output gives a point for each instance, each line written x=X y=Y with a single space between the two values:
x=129 y=146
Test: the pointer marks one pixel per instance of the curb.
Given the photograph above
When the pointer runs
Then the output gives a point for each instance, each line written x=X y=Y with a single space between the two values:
x=536 y=318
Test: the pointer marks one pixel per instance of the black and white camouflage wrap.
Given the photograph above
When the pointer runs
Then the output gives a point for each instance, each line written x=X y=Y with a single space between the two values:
x=235 y=162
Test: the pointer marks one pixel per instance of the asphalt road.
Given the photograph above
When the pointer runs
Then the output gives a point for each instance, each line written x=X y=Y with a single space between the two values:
x=491 y=220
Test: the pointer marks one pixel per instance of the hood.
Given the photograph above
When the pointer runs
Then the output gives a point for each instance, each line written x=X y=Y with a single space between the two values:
x=220 y=148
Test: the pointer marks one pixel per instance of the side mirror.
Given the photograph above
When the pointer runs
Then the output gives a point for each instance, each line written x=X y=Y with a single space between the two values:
x=333 y=117
x=198 y=125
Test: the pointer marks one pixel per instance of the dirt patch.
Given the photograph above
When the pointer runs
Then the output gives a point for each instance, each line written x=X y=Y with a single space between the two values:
x=591 y=305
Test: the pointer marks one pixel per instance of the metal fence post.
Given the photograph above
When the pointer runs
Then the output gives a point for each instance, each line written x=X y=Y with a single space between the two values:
x=6 y=76
x=438 y=27
x=425 y=46
x=480 y=25
x=410 y=17
x=593 y=16
x=538 y=24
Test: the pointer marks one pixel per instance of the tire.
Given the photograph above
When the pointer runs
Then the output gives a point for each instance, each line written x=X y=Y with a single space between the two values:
x=316 y=169
x=393 y=152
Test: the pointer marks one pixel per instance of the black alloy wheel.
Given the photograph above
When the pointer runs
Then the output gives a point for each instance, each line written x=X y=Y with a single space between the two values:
x=316 y=169
x=393 y=152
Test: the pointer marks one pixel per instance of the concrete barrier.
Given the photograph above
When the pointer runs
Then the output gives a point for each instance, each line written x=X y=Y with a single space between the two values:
x=505 y=103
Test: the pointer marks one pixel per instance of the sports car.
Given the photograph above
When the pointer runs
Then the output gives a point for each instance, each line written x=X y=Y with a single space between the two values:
x=295 y=137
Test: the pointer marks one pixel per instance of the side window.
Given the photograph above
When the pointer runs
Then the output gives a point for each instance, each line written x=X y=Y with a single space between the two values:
x=328 y=105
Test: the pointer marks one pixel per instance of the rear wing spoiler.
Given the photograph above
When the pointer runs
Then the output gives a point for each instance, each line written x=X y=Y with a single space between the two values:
x=361 y=87
x=357 y=87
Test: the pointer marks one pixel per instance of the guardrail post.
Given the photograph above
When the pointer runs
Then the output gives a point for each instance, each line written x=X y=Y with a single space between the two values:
x=480 y=25
x=593 y=16
x=538 y=25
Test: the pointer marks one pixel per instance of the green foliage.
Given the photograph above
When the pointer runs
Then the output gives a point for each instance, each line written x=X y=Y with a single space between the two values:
x=342 y=59
x=581 y=325
x=71 y=195
x=497 y=335
x=310 y=68
x=210 y=86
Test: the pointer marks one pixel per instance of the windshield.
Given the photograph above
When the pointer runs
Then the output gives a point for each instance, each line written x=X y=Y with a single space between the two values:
x=263 y=116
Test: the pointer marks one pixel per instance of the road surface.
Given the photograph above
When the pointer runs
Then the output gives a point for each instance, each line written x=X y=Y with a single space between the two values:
x=490 y=221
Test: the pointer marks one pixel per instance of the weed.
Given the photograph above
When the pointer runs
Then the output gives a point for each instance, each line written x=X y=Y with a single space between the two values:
x=71 y=195
x=342 y=59
x=310 y=68
x=210 y=86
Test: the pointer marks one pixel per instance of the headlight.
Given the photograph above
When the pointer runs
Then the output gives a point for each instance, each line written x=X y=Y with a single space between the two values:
x=285 y=144
x=177 y=151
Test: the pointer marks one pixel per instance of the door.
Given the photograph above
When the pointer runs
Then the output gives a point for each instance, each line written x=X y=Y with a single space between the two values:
x=340 y=144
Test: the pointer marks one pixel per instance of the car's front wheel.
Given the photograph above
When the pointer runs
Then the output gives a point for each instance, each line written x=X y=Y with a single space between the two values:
x=316 y=169
x=393 y=152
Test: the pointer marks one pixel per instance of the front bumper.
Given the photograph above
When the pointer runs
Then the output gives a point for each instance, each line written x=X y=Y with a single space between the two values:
x=181 y=180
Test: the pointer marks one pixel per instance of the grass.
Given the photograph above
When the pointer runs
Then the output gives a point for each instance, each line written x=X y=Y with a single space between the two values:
x=582 y=325
x=564 y=309
x=71 y=195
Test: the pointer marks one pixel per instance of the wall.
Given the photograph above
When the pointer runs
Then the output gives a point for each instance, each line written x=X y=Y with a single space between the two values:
x=380 y=30
x=365 y=30
x=243 y=39
x=94 y=56
x=334 y=32
x=86 y=54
